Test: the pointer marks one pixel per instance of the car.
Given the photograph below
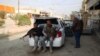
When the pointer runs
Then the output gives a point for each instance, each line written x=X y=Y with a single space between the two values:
x=68 y=26
x=68 y=23
x=58 y=24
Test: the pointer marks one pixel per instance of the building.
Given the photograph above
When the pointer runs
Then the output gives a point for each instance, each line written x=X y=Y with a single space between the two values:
x=44 y=13
x=84 y=6
x=7 y=9
x=86 y=12
x=92 y=7
x=93 y=4
x=32 y=12
x=88 y=5
x=26 y=10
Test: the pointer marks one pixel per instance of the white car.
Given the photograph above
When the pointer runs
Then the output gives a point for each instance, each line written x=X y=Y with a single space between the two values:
x=58 y=24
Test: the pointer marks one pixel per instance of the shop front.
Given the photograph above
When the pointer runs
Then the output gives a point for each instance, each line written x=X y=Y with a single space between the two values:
x=94 y=9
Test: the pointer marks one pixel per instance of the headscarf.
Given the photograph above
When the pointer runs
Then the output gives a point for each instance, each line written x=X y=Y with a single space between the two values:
x=78 y=16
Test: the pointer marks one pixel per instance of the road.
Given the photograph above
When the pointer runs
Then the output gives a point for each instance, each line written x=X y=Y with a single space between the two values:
x=13 y=46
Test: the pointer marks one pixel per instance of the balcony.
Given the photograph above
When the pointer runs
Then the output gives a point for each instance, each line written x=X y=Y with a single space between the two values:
x=96 y=6
x=92 y=3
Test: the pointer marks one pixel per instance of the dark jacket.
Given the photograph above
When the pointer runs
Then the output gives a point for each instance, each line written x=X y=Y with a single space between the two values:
x=39 y=33
x=34 y=32
x=77 y=25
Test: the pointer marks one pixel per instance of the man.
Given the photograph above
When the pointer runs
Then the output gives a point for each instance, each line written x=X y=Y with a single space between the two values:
x=49 y=33
x=36 y=33
x=77 y=28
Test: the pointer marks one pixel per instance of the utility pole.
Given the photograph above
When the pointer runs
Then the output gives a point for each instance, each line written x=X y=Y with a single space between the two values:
x=18 y=6
x=18 y=12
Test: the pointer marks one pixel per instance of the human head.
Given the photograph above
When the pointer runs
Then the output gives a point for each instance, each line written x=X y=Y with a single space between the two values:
x=72 y=16
x=35 y=25
x=49 y=23
x=79 y=16
x=76 y=16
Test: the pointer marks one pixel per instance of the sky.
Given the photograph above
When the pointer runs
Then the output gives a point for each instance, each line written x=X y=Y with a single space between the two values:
x=56 y=6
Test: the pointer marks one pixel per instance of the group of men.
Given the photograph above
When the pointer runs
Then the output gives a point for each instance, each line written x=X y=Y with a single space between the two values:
x=50 y=33
x=40 y=35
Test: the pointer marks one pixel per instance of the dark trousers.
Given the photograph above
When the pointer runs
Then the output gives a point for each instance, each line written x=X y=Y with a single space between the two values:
x=77 y=38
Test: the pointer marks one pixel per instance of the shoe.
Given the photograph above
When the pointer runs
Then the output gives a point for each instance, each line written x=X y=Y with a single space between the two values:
x=51 y=51
x=34 y=49
x=39 y=49
x=77 y=47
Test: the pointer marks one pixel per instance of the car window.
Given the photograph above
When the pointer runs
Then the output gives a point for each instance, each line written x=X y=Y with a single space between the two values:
x=43 y=21
x=61 y=24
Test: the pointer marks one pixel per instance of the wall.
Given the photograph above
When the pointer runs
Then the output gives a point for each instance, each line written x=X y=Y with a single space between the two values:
x=7 y=9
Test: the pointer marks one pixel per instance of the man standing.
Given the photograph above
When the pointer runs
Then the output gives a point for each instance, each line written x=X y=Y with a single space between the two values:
x=50 y=33
x=77 y=28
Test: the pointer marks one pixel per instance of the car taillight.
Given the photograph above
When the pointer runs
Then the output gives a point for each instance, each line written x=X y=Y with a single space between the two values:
x=59 y=33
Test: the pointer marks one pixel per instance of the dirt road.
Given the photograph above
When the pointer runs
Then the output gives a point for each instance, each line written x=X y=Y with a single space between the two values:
x=13 y=46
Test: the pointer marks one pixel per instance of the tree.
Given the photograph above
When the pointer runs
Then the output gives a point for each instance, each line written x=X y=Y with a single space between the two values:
x=23 y=20
x=2 y=14
x=2 y=17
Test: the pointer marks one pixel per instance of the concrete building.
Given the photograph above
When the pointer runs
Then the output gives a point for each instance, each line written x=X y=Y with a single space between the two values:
x=7 y=9
x=88 y=5
x=92 y=7
x=26 y=10
x=32 y=12
x=89 y=8
x=93 y=4
x=84 y=5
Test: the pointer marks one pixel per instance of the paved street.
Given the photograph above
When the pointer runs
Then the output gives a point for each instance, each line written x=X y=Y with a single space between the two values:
x=13 y=46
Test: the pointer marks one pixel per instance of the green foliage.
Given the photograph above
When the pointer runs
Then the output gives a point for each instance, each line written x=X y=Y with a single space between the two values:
x=2 y=17
x=16 y=17
x=23 y=20
x=2 y=14
x=1 y=22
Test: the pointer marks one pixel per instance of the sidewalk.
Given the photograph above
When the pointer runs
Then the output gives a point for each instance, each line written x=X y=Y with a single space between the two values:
x=14 y=30
x=97 y=35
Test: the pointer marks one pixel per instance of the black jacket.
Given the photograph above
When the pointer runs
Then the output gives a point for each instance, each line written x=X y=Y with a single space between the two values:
x=35 y=32
x=77 y=25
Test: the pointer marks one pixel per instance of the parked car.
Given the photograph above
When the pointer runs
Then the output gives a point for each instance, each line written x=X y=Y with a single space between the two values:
x=68 y=23
x=58 y=24
x=68 y=26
